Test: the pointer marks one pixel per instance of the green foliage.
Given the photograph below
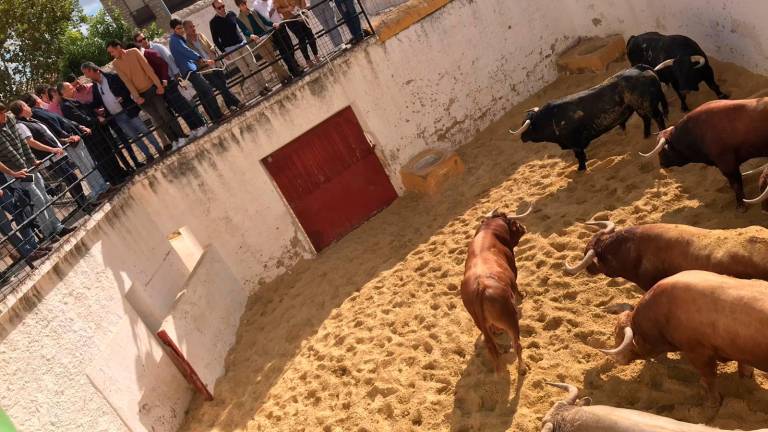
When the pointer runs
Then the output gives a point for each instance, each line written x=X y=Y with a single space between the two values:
x=45 y=40
x=90 y=46
x=31 y=36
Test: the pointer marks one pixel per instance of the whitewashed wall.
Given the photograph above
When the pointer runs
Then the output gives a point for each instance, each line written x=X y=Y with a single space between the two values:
x=436 y=84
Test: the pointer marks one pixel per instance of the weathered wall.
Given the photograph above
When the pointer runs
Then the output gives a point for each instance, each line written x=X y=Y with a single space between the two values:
x=434 y=84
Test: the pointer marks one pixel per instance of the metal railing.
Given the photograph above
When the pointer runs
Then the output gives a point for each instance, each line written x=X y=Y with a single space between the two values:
x=67 y=187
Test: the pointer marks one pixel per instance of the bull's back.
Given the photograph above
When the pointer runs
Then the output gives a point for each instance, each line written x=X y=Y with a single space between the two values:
x=741 y=253
x=728 y=125
x=695 y=309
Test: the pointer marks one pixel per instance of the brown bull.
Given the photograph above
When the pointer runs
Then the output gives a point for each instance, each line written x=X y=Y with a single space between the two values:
x=723 y=134
x=489 y=289
x=706 y=316
x=646 y=254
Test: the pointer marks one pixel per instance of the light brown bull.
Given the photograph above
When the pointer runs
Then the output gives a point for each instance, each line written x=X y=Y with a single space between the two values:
x=489 y=289
x=706 y=316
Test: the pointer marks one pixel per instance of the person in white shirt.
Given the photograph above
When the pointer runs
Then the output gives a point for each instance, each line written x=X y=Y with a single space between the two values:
x=267 y=10
x=110 y=93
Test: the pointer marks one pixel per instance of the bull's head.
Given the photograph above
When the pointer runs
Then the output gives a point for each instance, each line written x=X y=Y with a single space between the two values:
x=686 y=70
x=626 y=350
x=669 y=156
x=530 y=130
x=590 y=262
x=516 y=229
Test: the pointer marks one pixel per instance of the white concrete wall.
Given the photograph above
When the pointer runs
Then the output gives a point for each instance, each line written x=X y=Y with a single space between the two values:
x=433 y=85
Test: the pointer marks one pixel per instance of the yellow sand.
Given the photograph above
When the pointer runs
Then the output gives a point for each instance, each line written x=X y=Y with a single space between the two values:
x=372 y=335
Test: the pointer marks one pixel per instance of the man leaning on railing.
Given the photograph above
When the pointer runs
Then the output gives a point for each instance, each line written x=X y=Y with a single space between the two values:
x=16 y=160
x=69 y=132
x=190 y=61
x=226 y=37
x=260 y=30
x=173 y=97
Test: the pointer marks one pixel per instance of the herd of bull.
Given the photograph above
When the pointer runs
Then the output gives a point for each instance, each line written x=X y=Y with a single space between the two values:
x=706 y=294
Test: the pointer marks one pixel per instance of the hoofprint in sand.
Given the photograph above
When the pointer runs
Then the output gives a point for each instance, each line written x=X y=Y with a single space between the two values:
x=372 y=336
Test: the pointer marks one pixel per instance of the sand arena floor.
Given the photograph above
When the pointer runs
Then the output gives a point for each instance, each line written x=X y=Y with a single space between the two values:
x=372 y=335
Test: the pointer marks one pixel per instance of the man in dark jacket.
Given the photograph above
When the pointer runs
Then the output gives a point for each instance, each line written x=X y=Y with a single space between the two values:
x=259 y=30
x=97 y=141
x=69 y=132
x=226 y=37
x=60 y=165
x=112 y=99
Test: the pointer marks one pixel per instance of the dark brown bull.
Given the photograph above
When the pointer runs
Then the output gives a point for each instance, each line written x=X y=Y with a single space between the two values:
x=723 y=134
x=489 y=289
x=706 y=316
x=646 y=254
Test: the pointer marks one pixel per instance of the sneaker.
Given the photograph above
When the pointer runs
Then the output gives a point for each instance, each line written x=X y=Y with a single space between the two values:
x=181 y=142
x=199 y=131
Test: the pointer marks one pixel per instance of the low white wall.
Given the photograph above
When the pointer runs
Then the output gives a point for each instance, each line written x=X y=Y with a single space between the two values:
x=436 y=84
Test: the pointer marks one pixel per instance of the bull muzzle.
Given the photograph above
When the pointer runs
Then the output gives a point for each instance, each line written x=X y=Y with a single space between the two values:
x=656 y=150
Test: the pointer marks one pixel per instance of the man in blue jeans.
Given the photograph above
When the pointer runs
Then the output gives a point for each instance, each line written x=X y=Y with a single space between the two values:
x=347 y=10
x=187 y=61
x=111 y=94
x=23 y=239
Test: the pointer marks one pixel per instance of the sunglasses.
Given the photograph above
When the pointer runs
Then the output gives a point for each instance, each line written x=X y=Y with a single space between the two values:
x=220 y=7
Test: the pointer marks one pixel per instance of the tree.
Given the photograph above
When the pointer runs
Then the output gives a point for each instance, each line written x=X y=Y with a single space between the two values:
x=89 y=45
x=32 y=36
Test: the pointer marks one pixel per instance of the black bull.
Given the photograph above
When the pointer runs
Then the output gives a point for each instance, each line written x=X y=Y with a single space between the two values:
x=678 y=61
x=574 y=121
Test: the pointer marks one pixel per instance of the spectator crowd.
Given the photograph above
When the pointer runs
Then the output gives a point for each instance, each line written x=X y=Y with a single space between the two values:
x=78 y=132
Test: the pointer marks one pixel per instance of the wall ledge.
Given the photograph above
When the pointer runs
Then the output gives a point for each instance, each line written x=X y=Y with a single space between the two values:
x=405 y=16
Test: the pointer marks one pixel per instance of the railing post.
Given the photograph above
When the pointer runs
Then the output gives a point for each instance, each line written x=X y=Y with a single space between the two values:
x=365 y=14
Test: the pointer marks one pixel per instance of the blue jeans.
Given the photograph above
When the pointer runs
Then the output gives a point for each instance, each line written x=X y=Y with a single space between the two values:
x=23 y=240
x=135 y=128
x=46 y=219
x=349 y=13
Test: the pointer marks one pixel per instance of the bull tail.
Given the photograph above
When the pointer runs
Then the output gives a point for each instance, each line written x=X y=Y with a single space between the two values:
x=482 y=324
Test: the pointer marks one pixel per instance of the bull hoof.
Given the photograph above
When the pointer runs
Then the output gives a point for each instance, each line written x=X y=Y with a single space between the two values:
x=522 y=371
x=723 y=96
x=582 y=168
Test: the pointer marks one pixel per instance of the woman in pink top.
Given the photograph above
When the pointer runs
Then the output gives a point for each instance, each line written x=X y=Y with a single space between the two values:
x=54 y=104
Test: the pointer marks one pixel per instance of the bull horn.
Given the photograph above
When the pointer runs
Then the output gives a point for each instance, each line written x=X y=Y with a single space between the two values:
x=698 y=59
x=755 y=171
x=578 y=268
x=549 y=427
x=628 y=336
x=522 y=129
x=656 y=149
x=573 y=392
x=608 y=226
x=491 y=213
x=522 y=215
x=534 y=109
x=664 y=64
x=763 y=196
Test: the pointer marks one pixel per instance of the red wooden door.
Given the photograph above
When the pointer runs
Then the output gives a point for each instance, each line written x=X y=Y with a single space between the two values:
x=331 y=178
